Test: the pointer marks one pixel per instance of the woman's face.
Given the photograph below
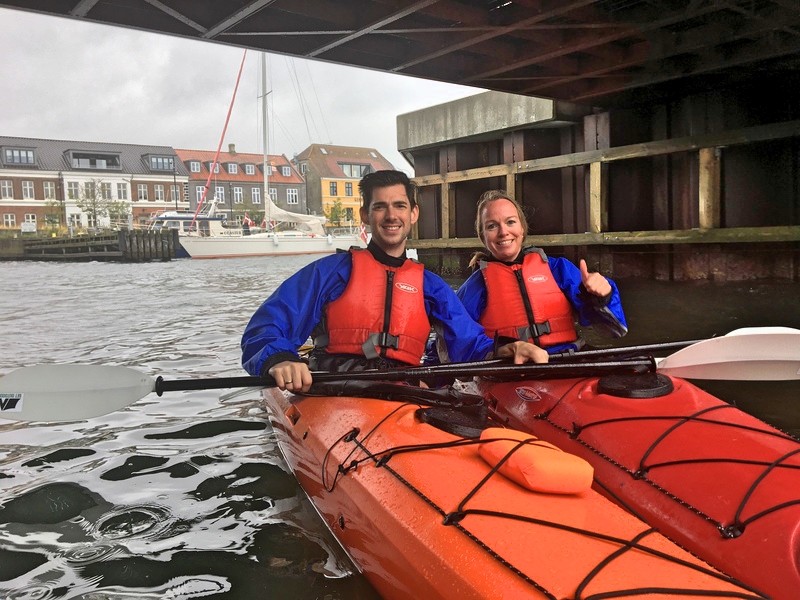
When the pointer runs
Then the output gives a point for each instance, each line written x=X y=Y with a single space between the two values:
x=502 y=229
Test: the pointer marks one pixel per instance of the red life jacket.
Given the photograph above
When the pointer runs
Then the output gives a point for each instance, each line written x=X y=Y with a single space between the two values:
x=524 y=301
x=381 y=312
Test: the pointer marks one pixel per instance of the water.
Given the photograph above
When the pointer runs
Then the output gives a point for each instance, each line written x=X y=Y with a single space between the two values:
x=183 y=496
x=186 y=496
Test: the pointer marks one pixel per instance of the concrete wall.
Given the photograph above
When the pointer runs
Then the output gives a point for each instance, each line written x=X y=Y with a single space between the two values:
x=488 y=113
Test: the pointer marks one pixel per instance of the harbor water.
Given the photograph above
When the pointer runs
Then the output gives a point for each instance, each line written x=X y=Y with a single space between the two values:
x=185 y=495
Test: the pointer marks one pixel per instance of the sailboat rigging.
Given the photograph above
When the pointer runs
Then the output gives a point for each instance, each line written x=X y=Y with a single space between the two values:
x=212 y=238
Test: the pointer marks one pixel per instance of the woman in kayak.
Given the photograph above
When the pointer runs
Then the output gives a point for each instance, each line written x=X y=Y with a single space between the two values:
x=519 y=292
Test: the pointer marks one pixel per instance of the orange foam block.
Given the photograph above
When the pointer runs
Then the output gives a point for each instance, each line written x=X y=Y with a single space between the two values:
x=536 y=465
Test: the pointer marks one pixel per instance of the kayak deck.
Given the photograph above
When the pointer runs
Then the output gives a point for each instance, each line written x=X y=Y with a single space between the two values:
x=424 y=516
x=719 y=482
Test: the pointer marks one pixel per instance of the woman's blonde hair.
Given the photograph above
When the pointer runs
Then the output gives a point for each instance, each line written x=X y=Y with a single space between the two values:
x=485 y=199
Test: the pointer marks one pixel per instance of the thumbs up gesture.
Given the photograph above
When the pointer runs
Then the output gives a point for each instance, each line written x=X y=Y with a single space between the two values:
x=594 y=283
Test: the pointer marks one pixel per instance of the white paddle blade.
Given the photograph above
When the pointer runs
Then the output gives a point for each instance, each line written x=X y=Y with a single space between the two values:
x=70 y=392
x=748 y=354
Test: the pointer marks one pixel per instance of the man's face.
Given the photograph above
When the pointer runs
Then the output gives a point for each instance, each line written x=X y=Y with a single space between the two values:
x=390 y=216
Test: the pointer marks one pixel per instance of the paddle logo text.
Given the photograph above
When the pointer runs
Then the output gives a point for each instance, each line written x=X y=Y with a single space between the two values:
x=10 y=402
x=528 y=394
x=406 y=287
x=537 y=278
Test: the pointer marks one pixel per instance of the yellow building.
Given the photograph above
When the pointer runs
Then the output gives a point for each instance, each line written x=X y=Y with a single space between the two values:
x=332 y=174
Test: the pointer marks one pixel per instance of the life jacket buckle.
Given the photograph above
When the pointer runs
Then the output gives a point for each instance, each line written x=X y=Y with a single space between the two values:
x=379 y=340
x=534 y=331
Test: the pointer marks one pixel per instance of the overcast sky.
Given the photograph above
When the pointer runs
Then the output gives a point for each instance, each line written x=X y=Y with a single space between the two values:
x=68 y=79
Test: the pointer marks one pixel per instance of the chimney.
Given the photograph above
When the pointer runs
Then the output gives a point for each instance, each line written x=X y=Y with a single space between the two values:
x=232 y=148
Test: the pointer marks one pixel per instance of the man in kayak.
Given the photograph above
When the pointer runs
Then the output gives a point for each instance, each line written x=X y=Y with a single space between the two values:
x=521 y=293
x=367 y=309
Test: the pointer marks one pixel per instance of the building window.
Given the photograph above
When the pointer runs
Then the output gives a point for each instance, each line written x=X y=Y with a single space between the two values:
x=291 y=196
x=27 y=190
x=90 y=220
x=9 y=220
x=354 y=171
x=83 y=160
x=6 y=189
x=286 y=171
x=250 y=169
x=219 y=194
x=273 y=194
x=159 y=192
x=216 y=167
x=348 y=188
x=304 y=168
x=174 y=193
x=75 y=219
x=199 y=193
x=73 y=190
x=49 y=190
x=122 y=191
x=17 y=156
x=233 y=168
x=30 y=218
x=256 y=195
x=194 y=166
x=141 y=193
x=333 y=188
x=161 y=163
x=105 y=191
x=269 y=170
x=238 y=197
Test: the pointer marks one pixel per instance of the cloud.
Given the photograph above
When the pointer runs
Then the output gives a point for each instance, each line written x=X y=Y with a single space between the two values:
x=69 y=79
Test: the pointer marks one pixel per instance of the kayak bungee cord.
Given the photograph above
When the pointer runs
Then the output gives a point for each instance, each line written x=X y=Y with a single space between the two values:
x=456 y=518
x=730 y=530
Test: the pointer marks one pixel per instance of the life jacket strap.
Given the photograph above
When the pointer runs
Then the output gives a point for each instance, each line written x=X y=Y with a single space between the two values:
x=379 y=340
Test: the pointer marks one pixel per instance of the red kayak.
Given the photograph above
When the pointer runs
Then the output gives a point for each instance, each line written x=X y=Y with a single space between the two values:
x=717 y=481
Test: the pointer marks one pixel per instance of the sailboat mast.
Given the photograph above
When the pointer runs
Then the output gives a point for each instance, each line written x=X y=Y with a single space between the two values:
x=265 y=134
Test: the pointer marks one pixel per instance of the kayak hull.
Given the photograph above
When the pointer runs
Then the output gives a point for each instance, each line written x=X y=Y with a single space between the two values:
x=719 y=482
x=424 y=516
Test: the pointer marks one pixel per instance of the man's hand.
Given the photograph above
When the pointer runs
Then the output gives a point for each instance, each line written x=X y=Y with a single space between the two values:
x=293 y=376
x=523 y=352
x=594 y=282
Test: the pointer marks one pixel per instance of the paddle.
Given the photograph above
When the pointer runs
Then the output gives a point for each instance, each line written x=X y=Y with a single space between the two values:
x=71 y=392
x=748 y=354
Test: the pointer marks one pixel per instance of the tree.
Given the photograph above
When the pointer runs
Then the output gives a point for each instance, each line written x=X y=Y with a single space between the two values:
x=95 y=200
x=335 y=212
x=53 y=213
x=119 y=212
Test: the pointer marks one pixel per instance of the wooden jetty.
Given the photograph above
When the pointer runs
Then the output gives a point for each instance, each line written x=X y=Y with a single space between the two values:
x=121 y=246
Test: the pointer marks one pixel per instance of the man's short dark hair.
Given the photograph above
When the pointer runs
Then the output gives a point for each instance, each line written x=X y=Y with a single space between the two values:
x=380 y=179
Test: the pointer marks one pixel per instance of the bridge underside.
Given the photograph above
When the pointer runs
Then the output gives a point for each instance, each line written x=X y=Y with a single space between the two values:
x=605 y=53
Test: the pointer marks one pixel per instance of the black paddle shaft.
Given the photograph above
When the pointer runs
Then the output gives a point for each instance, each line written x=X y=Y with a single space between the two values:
x=494 y=369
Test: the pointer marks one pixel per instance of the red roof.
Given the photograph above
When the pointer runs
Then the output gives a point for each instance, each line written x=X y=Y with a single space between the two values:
x=206 y=157
x=326 y=159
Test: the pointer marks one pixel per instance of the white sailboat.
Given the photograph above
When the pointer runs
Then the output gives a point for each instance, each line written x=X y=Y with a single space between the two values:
x=306 y=234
